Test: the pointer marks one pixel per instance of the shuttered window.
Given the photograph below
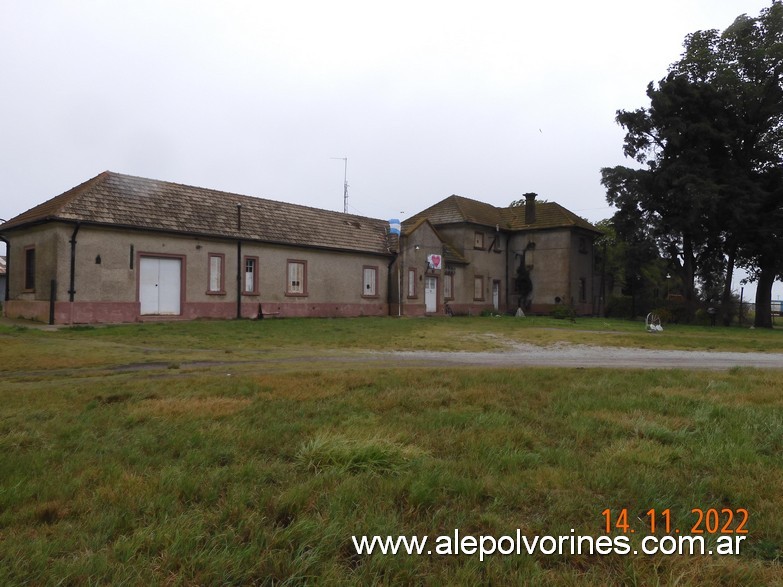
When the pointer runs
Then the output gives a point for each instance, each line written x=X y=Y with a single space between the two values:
x=478 y=288
x=448 y=286
x=370 y=282
x=216 y=273
x=297 y=276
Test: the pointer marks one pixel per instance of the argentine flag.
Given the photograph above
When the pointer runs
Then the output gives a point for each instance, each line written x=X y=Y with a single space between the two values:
x=394 y=226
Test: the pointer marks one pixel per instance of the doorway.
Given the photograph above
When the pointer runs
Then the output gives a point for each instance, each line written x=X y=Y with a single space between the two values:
x=160 y=286
x=431 y=295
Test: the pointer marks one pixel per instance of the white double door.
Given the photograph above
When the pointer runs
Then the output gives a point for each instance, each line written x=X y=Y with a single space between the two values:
x=160 y=280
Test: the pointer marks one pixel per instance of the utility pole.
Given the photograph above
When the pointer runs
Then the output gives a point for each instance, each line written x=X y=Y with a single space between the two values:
x=345 y=184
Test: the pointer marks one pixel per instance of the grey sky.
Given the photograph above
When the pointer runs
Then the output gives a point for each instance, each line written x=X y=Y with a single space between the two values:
x=487 y=100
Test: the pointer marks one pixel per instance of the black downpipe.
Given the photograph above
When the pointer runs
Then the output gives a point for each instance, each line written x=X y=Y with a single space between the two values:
x=6 y=293
x=52 y=300
x=239 y=279
x=508 y=285
x=239 y=263
x=389 y=278
x=72 y=290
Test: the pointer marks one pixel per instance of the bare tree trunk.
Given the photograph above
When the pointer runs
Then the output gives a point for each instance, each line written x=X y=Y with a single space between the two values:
x=764 y=298
x=689 y=276
x=725 y=301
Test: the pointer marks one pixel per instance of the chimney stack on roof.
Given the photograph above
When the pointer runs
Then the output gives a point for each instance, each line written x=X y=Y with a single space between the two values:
x=530 y=208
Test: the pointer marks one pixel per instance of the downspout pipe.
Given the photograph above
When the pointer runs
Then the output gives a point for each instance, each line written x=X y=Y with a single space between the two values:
x=6 y=293
x=389 y=278
x=72 y=288
x=239 y=262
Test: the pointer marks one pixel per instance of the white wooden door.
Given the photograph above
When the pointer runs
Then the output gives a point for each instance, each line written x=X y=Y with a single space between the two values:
x=159 y=285
x=496 y=295
x=431 y=294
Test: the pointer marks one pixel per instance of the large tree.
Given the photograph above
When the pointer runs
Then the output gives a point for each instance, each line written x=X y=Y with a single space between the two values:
x=678 y=196
x=711 y=143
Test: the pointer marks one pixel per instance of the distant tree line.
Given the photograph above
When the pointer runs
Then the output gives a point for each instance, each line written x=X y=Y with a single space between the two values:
x=707 y=195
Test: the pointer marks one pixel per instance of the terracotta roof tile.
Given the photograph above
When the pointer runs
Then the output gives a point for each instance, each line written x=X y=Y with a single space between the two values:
x=123 y=200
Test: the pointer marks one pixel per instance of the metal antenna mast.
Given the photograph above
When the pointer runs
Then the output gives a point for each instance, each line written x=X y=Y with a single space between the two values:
x=345 y=184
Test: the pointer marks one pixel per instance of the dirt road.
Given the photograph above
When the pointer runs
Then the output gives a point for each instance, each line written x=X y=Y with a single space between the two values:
x=568 y=355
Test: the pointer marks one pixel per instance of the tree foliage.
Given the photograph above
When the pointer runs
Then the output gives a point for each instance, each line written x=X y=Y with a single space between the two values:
x=710 y=146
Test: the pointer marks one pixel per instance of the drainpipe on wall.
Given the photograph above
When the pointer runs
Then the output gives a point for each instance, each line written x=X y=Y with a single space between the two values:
x=52 y=300
x=7 y=269
x=72 y=289
x=508 y=285
x=389 y=283
x=239 y=263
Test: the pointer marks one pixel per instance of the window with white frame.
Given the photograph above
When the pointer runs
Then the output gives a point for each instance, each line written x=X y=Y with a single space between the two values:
x=370 y=282
x=411 y=283
x=297 y=278
x=250 y=285
x=216 y=282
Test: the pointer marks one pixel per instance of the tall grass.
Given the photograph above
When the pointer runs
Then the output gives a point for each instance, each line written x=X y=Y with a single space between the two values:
x=262 y=477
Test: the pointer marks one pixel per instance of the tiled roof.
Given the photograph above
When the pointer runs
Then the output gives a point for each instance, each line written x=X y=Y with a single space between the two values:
x=457 y=209
x=123 y=200
x=548 y=215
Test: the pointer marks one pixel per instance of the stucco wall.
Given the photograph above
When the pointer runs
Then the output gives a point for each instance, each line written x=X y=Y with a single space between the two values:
x=487 y=262
x=107 y=276
x=548 y=264
x=415 y=249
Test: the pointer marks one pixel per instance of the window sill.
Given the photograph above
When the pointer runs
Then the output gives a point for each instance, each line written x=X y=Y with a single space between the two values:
x=216 y=293
x=295 y=295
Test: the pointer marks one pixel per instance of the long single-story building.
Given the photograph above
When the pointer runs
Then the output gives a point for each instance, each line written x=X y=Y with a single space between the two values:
x=119 y=248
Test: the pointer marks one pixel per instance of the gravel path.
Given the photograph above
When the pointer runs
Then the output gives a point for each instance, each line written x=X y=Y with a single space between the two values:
x=569 y=355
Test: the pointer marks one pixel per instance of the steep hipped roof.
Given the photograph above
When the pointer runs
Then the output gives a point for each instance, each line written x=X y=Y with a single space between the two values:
x=457 y=209
x=134 y=202
x=548 y=215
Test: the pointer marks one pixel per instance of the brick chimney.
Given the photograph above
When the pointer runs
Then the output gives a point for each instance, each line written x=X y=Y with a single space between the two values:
x=530 y=208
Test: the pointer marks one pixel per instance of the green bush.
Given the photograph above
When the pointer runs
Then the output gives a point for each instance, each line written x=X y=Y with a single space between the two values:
x=563 y=313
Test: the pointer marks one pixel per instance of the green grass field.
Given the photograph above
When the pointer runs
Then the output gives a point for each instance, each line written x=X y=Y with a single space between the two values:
x=118 y=465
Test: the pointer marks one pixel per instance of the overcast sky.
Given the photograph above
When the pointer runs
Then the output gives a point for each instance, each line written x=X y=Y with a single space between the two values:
x=426 y=99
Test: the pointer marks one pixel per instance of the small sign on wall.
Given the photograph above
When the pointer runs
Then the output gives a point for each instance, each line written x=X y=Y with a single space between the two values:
x=435 y=261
